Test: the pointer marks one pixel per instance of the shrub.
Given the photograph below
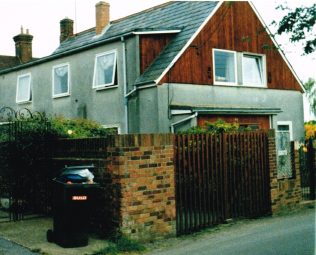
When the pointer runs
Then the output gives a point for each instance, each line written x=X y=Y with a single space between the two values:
x=217 y=127
x=78 y=128
x=310 y=129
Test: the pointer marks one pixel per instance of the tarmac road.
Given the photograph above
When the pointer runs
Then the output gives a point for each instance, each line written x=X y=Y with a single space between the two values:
x=286 y=235
x=9 y=248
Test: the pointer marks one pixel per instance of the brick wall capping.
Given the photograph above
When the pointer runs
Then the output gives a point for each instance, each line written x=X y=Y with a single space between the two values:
x=140 y=140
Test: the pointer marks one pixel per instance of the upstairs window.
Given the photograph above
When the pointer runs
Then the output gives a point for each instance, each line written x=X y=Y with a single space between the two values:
x=225 y=67
x=252 y=70
x=23 y=93
x=61 y=80
x=104 y=69
x=237 y=68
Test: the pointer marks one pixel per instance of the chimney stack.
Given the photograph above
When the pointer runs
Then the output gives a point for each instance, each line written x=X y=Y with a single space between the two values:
x=23 y=46
x=102 y=16
x=66 y=29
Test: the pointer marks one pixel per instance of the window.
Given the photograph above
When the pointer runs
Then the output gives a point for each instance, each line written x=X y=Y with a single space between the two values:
x=283 y=145
x=225 y=67
x=252 y=70
x=104 y=69
x=23 y=93
x=237 y=68
x=285 y=126
x=250 y=126
x=61 y=80
x=113 y=129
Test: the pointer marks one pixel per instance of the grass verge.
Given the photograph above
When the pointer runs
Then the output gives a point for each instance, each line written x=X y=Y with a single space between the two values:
x=121 y=244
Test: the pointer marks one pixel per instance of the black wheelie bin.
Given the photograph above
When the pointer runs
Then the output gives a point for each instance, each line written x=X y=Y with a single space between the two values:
x=73 y=198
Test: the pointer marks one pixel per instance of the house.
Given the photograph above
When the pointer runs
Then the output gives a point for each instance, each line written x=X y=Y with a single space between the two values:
x=164 y=69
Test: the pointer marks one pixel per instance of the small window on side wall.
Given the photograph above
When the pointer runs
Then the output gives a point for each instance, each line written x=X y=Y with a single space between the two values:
x=104 y=69
x=225 y=67
x=61 y=80
x=252 y=70
x=24 y=93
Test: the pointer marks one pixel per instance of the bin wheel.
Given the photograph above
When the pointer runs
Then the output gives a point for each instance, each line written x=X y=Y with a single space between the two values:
x=50 y=236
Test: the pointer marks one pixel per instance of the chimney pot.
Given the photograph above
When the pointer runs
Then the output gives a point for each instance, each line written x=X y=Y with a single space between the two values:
x=102 y=16
x=66 y=29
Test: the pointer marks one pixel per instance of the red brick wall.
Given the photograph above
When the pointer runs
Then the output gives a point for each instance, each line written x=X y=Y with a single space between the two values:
x=142 y=165
x=284 y=192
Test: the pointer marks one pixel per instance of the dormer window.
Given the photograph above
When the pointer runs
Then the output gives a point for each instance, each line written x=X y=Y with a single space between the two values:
x=23 y=93
x=61 y=80
x=104 y=69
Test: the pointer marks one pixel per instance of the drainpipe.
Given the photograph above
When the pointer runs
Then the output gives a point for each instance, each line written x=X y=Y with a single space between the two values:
x=183 y=120
x=125 y=85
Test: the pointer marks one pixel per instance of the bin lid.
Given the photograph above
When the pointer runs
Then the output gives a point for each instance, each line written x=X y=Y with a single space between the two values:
x=77 y=174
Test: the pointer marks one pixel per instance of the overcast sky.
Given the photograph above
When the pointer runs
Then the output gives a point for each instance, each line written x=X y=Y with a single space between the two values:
x=42 y=18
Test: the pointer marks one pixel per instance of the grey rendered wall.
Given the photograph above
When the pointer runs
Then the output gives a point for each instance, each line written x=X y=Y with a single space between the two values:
x=105 y=106
x=290 y=102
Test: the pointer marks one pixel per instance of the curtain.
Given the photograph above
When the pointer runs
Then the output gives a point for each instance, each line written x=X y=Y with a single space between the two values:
x=105 y=69
x=61 y=80
x=225 y=67
x=24 y=88
x=252 y=70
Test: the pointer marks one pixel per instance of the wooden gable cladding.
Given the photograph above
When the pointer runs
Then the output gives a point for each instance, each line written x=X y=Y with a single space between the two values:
x=150 y=47
x=236 y=27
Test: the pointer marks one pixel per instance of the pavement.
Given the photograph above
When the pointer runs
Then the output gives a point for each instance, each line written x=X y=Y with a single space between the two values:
x=292 y=234
x=31 y=234
x=10 y=248
x=289 y=234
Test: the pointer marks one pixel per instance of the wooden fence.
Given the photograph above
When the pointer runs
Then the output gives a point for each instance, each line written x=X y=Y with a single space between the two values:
x=219 y=177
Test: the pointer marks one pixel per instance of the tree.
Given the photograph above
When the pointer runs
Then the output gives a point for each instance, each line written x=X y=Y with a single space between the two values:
x=300 y=24
x=310 y=87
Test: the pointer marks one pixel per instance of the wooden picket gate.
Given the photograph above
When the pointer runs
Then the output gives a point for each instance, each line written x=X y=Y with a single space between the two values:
x=219 y=177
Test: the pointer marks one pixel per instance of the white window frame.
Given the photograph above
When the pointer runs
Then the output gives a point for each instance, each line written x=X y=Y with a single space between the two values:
x=53 y=81
x=286 y=123
x=264 y=69
x=29 y=88
x=235 y=68
x=112 y=84
x=118 y=126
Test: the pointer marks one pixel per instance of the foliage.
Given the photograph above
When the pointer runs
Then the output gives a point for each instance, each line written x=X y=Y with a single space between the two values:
x=26 y=160
x=300 y=25
x=310 y=87
x=310 y=129
x=217 y=127
x=121 y=244
x=78 y=128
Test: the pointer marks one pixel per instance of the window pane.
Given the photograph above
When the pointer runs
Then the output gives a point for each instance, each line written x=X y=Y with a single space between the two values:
x=105 y=70
x=225 y=67
x=283 y=128
x=24 y=89
x=284 y=163
x=252 y=70
x=61 y=80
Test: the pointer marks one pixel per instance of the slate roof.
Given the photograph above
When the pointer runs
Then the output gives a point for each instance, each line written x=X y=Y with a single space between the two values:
x=186 y=16
x=8 y=61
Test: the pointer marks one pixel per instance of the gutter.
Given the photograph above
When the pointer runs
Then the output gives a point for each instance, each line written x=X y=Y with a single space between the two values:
x=136 y=88
x=183 y=120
